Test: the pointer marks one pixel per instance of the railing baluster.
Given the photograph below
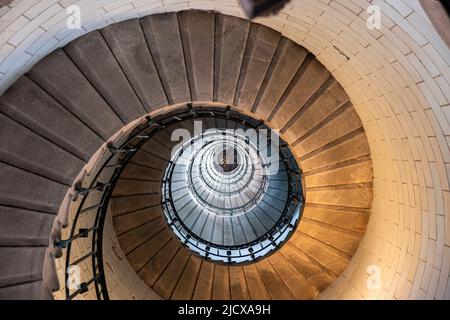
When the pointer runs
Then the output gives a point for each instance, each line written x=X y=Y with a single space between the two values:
x=98 y=187
x=82 y=233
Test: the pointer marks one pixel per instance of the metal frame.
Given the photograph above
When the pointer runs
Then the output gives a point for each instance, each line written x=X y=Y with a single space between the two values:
x=115 y=159
x=108 y=171
x=259 y=248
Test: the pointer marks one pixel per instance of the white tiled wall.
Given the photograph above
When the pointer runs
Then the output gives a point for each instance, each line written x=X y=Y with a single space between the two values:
x=399 y=81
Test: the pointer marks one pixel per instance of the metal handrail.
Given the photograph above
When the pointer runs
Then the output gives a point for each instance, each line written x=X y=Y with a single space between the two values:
x=270 y=241
x=115 y=159
x=108 y=170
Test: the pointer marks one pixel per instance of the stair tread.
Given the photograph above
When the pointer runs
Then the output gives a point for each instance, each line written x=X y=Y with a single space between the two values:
x=309 y=82
x=132 y=187
x=127 y=41
x=305 y=266
x=24 y=291
x=163 y=35
x=297 y=284
x=20 y=264
x=344 y=123
x=134 y=171
x=275 y=286
x=139 y=257
x=151 y=272
x=169 y=278
x=137 y=236
x=231 y=40
x=133 y=220
x=340 y=239
x=26 y=190
x=256 y=287
x=29 y=227
x=221 y=283
x=64 y=129
x=61 y=78
x=323 y=107
x=197 y=33
x=353 y=147
x=261 y=45
x=121 y=205
x=149 y=160
x=186 y=284
x=354 y=196
x=320 y=252
x=360 y=172
x=203 y=287
x=287 y=60
x=355 y=221
x=238 y=285
x=29 y=151
x=104 y=72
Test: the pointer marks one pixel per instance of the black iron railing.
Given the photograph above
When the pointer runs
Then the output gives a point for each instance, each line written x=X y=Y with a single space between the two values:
x=94 y=195
x=88 y=221
x=253 y=250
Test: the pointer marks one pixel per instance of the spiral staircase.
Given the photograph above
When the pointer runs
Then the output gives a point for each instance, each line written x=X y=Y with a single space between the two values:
x=167 y=71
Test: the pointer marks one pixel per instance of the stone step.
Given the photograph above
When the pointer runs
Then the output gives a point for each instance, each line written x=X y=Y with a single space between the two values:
x=327 y=257
x=360 y=172
x=343 y=123
x=339 y=239
x=129 y=221
x=24 y=265
x=29 y=151
x=186 y=284
x=261 y=46
x=151 y=272
x=127 y=41
x=162 y=32
x=256 y=287
x=139 y=257
x=167 y=137
x=61 y=78
x=221 y=283
x=125 y=187
x=353 y=196
x=286 y=61
x=65 y=129
x=313 y=115
x=22 y=227
x=26 y=291
x=277 y=288
x=19 y=188
x=121 y=205
x=136 y=237
x=344 y=218
x=135 y=171
x=166 y=283
x=238 y=284
x=231 y=39
x=148 y=160
x=296 y=283
x=197 y=33
x=309 y=78
x=153 y=146
x=352 y=146
x=105 y=74
x=204 y=285
x=307 y=267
